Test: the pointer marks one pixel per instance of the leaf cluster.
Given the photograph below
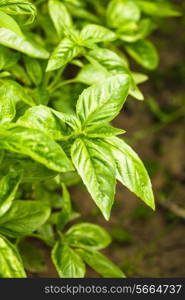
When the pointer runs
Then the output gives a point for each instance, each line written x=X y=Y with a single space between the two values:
x=64 y=77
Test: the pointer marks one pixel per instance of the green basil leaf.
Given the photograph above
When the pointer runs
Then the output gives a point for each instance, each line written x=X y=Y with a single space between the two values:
x=67 y=262
x=9 y=23
x=59 y=15
x=20 y=43
x=100 y=263
x=7 y=108
x=139 y=77
x=158 y=9
x=38 y=145
x=14 y=91
x=110 y=64
x=32 y=171
x=103 y=131
x=144 y=28
x=81 y=13
x=107 y=58
x=33 y=69
x=11 y=265
x=93 y=74
x=8 y=188
x=66 y=213
x=90 y=74
x=33 y=257
x=23 y=218
x=63 y=54
x=135 y=92
x=87 y=235
x=70 y=178
x=131 y=171
x=76 y=3
x=42 y=117
x=96 y=34
x=94 y=164
x=7 y=58
x=144 y=53
x=46 y=234
x=102 y=102
x=4 y=74
x=17 y=7
x=40 y=95
x=69 y=119
x=120 y=12
x=20 y=74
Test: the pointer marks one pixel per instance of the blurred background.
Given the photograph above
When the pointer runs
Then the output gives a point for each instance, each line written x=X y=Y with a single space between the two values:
x=147 y=243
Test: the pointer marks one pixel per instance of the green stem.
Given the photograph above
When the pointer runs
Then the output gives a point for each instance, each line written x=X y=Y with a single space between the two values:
x=56 y=79
x=65 y=82
x=46 y=79
x=18 y=240
x=60 y=234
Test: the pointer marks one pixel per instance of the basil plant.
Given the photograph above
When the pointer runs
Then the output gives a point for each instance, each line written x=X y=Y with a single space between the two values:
x=64 y=77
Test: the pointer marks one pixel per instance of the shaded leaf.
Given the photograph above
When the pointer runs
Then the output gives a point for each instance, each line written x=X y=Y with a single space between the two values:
x=7 y=58
x=46 y=234
x=66 y=212
x=144 y=53
x=32 y=170
x=100 y=263
x=1 y=155
x=158 y=9
x=23 y=218
x=38 y=145
x=143 y=29
x=121 y=12
x=33 y=69
x=33 y=257
x=19 y=73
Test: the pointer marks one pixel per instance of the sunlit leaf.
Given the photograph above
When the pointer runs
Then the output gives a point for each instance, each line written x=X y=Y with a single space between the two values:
x=11 y=265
